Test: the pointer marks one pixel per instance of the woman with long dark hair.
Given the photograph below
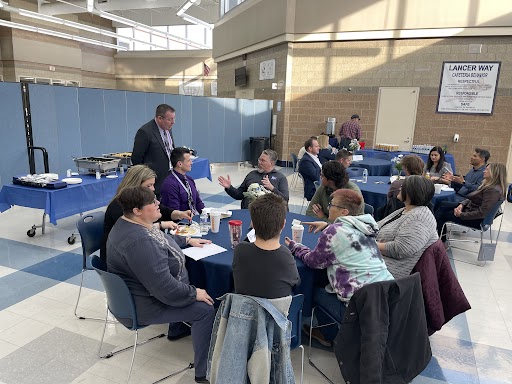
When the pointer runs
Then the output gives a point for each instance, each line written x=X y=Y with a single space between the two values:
x=437 y=166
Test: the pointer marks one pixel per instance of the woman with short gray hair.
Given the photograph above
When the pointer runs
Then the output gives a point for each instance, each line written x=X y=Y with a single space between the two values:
x=406 y=233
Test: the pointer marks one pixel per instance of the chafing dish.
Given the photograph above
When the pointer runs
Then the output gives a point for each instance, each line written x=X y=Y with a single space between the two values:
x=93 y=164
x=124 y=157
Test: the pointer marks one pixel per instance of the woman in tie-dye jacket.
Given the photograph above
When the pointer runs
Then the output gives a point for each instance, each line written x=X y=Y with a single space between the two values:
x=346 y=249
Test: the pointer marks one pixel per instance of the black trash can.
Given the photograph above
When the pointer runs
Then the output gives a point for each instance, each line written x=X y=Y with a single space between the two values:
x=258 y=144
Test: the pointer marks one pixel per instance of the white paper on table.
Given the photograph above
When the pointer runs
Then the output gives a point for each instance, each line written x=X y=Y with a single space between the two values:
x=357 y=158
x=197 y=253
x=251 y=236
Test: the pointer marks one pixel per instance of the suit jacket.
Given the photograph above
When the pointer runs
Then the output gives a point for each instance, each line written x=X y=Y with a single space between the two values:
x=383 y=336
x=310 y=172
x=442 y=293
x=149 y=149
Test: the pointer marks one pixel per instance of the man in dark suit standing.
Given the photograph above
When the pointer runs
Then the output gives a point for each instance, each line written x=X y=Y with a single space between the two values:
x=154 y=143
x=309 y=167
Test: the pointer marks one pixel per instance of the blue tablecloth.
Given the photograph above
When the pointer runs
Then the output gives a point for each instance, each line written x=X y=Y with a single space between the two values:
x=200 y=169
x=371 y=153
x=375 y=167
x=376 y=194
x=60 y=203
x=214 y=273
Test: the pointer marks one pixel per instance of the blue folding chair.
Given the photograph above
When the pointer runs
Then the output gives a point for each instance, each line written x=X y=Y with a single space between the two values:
x=120 y=304
x=295 y=176
x=368 y=209
x=295 y=317
x=90 y=228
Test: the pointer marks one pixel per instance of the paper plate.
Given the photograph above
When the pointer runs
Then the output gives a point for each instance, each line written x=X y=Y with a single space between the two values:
x=447 y=189
x=187 y=230
x=72 y=180
x=111 y=176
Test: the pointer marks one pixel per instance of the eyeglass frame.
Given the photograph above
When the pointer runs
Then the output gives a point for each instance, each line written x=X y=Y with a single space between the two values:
x=169 y=119
x=332 y=205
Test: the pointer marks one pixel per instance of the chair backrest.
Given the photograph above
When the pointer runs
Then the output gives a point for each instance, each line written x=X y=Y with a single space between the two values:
x=354 y=171
x=119 y=299
x=493 y=213
x=294 y=161
x=368 y=209
x=316 y=183
x=295 y=316
x=90 y=227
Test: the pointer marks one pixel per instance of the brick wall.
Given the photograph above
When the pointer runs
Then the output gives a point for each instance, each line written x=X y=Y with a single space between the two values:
x=320 y=75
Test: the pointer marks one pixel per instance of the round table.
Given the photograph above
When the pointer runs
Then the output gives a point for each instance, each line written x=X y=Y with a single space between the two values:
x=375 y=167
x=376 y=189
x=214 y=273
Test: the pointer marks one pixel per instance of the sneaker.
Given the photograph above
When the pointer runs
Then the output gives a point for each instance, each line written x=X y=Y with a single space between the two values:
x=317 y=335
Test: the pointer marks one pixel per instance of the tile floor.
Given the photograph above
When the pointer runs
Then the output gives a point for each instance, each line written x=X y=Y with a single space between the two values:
x=42 y=342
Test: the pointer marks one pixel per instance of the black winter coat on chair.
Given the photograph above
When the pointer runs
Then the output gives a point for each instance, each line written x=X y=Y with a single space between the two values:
x=383 y=336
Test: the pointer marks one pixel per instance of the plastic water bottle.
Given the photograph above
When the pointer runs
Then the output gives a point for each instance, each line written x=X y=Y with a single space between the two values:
x=98 y=175
x=365 y=175
x=203 y=223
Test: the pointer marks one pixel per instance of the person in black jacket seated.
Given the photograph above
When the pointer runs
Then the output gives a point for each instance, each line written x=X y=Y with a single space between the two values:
x=266 y=175
x=326 y=152
x=265 y=268
x=153 y=267
x=309 y=167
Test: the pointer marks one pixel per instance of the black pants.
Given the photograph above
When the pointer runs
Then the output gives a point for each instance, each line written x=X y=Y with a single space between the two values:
x=344 y=143
x=444 y=213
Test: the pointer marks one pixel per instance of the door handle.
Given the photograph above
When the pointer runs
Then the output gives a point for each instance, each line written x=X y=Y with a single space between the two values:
x=406 y=141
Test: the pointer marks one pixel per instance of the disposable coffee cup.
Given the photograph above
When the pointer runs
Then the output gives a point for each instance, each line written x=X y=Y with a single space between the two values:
x=297 y=232
x=438 y=188
x=215 y=220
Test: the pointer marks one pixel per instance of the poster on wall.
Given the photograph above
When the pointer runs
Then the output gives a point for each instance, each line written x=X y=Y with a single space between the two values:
x=191 y=88
x=468 y=87
x=268 y=69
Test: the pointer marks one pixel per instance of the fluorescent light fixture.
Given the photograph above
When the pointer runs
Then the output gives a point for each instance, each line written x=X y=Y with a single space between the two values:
x=183 y=8
x=49 y=32
x=196 y=21
x=35 y=15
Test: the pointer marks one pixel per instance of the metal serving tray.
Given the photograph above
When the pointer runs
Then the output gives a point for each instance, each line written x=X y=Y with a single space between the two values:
x=124 y=157
x=95 y=164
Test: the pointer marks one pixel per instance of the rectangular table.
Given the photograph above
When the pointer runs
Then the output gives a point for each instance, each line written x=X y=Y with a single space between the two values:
x=60 y=203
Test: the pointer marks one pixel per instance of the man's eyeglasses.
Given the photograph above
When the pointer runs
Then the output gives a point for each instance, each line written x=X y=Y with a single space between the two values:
x=332 y=205
x=170 y=120
x=155 y=201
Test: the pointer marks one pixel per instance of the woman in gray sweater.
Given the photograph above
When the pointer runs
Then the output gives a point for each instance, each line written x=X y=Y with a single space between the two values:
x=406 y=233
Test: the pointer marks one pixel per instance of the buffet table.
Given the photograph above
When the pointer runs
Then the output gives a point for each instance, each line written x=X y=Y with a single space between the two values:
x=376 y=189
x=214 y=273
x=60 y=203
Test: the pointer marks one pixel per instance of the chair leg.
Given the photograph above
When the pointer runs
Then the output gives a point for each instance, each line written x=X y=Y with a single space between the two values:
x=309 y=348
x=301 y=364
x=78 y=299
x=133 y=355
x=190 y=366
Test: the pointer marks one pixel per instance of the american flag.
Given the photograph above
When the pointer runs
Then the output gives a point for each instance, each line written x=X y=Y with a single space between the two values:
x=206 y=69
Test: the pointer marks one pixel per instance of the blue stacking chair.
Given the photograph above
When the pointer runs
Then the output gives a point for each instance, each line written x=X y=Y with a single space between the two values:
x=295 y=317
x=296 y=175
x=90 y=228
x=120 y=304
x=485 y=250
x=368 y=209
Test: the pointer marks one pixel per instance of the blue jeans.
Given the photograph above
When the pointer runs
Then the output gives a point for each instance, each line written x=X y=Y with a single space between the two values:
x=333 y=306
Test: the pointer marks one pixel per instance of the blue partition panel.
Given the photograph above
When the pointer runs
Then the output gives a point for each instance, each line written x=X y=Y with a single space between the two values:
x=92 y=121
x=135 y=115
x=13 y=148
x=216 y=139
x=74 y=122
x=55 y=125
x=116 y=137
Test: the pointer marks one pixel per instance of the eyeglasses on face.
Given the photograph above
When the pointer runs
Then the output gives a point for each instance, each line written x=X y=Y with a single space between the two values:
x=332 y=205
x=170 y=120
